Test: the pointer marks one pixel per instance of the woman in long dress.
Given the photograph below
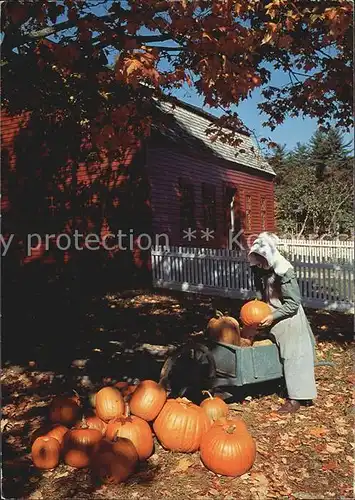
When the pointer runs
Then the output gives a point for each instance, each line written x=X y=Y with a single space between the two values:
x=276 y=284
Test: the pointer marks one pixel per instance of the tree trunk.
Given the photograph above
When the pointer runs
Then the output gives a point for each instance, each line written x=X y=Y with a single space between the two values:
x=335 y=213
x=303 y=226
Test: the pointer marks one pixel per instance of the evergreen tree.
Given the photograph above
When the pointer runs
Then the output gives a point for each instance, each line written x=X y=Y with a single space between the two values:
x=313 y=186
x=328 y=152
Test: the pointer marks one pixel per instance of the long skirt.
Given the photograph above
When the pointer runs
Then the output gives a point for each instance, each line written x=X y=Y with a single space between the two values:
x=295 y=339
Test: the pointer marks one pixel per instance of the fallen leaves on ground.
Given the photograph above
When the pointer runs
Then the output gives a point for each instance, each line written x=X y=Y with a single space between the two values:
x=318 y=431
x=303 y=456
x=183 y=465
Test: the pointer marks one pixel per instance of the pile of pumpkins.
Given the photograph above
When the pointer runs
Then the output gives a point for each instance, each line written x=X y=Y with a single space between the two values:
x=119 y=433
x=226 y=329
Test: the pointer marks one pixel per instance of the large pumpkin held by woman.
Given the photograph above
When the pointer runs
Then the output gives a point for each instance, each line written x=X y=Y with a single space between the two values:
x=228 y=448
x=253 y=312
x=180 y=425
x=223 y=328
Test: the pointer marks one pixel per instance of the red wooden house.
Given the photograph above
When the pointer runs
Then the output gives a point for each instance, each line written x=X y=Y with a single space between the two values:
x=178 y=179
x=203 y=185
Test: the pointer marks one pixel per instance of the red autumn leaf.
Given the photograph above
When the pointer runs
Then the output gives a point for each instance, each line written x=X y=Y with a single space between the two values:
x=188 y=80
x=221 y=48
x=318 y=431
x=330 y=466
x=285 y=41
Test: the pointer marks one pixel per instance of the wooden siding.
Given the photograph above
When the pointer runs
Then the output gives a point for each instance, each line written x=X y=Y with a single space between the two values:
x=167 y=165
x=46 y=192
x=107 y=196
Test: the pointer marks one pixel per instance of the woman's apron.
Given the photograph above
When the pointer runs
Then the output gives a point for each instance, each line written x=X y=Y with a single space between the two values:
x=296 y=342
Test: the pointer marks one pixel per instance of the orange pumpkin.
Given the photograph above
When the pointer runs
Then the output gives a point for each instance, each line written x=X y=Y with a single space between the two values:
x=147 y=400
x=223 y=328
x=92 y=399
x=249 y=332
x=93 y=422
x=214 y=407
x=78 y=446
x=58 y=432
x=180 y=425
x=224 y=450
x=113 y=463
x=109 y=403
x=119 y=445
x=136 y=430
x=237 y=423
x=64 y=410
x=127 y=448
x=254 y=311
x=53 y=430
x=45 y=452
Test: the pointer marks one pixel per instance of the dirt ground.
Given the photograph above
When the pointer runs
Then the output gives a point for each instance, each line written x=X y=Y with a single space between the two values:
x=309 y=455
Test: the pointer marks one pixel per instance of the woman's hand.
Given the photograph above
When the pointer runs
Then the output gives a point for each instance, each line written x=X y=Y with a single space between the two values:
x=266 y=321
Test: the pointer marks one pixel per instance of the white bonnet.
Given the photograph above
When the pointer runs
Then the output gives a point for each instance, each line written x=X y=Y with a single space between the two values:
x=266 y=246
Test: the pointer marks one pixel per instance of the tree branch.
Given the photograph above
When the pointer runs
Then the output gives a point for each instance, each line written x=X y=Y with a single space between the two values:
x=303 y=225
x=168 y=49
x=14 y=41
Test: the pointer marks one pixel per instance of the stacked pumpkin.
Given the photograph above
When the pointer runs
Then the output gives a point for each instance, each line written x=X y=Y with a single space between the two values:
x=120 y=434
x=112 y=441
x=225 y=329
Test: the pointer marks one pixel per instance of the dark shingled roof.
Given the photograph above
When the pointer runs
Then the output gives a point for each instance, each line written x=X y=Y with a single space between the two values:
x=185 y=123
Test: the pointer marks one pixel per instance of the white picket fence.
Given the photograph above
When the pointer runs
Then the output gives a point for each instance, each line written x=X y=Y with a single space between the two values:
x=313 y=250
x=226 y=273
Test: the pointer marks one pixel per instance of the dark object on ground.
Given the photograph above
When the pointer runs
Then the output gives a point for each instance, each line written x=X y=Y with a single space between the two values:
x=189 y=371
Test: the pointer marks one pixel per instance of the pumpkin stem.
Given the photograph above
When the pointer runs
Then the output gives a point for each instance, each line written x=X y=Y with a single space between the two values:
x=84 y=424
x=126 y=410
x=231 y=429
x=209 y=394
x=76 y=394
x=183 y=401
x=218 y=314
